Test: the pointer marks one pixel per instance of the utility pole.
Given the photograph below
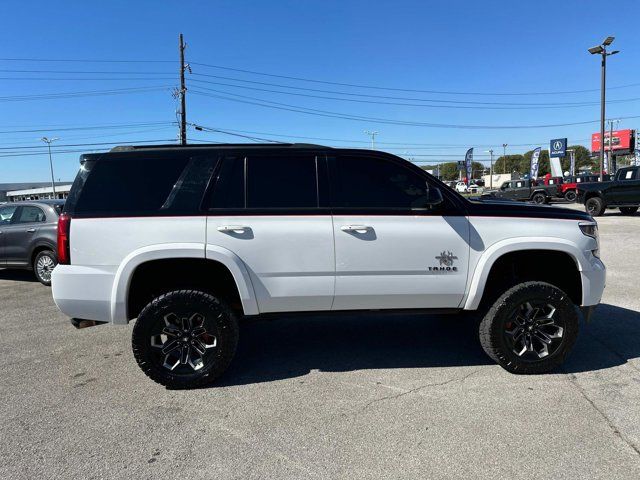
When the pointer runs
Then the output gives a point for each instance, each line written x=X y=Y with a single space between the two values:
x=48 y=142
x=373 y=138
x=183 y=95
x=504 y=157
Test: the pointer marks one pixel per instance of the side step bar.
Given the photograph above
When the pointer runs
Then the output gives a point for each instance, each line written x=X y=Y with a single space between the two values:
x=81 y=323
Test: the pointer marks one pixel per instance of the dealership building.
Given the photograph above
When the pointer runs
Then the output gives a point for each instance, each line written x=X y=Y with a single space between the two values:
x=17 y=192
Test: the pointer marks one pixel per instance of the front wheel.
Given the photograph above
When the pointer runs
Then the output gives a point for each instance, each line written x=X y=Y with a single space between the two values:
x=539 y=198
x=594 y=206
x=530 y=329
x=570 y=196
x=628 y=210
x=43 y=265
x=185 y=339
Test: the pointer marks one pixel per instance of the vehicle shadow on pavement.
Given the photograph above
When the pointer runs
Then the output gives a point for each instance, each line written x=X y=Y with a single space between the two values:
x=610 y=339
x=17 y=275
x=292 y=347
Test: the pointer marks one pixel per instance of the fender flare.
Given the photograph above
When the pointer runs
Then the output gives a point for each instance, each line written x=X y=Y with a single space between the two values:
x=46 y=244
x=486 y=261
x=124 y=273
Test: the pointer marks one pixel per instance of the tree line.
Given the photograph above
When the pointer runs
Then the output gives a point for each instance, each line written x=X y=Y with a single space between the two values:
x=519 y=164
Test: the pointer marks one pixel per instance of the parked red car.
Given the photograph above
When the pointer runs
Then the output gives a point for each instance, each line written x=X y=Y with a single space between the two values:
x=569 y=188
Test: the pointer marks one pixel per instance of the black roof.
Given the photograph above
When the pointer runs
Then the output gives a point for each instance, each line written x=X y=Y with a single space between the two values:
x=132 y=149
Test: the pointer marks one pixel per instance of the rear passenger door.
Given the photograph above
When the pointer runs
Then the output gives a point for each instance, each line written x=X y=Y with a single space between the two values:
x=392 y=250
x=19 y=235
x=269 y=210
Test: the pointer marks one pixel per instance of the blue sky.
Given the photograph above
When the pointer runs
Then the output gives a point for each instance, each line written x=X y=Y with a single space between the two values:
x=471 y=47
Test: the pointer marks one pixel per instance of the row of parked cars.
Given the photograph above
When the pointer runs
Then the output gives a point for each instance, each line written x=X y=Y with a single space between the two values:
x=621 y=191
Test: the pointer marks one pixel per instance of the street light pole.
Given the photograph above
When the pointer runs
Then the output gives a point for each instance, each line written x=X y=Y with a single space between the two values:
x=602 y=50
x=491 y=168
x=504 y=158
x=48 y=142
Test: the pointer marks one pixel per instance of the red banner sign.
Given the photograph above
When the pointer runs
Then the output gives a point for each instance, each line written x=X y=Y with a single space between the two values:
x=620 y=140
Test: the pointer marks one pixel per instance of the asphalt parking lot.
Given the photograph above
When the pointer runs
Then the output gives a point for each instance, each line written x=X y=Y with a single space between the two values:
x=352 y=397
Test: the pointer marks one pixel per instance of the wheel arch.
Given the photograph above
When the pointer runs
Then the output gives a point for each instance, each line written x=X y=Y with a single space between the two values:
x=508 y=250
x=221 y=258
x=39 y=247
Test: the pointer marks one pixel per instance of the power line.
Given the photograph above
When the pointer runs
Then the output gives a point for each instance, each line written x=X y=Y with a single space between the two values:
x=81 y=60
x=459 y=105
x=90 y=93
x=87 y=127
x=325 y=82
x=325 y=113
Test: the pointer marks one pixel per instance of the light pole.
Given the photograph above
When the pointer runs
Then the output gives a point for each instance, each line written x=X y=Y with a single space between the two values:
x=610 y=157
x=373 y=138
x=602 y=51
x=504 y=157
x=490 y=152
x=48 y=142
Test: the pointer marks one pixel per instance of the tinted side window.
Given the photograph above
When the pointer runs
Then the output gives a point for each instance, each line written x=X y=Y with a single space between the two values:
x=129 y=185
x=30 y=214
x=282 y=182
x=228 y=190
x=371 y=182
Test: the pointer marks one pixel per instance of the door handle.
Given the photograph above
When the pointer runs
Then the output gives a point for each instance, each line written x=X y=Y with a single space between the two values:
x=233 y=228
x=355 y=228
x=30 y=230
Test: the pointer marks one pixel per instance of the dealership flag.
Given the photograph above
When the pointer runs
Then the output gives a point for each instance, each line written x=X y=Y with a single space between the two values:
x=468 y=160
x=535 y=158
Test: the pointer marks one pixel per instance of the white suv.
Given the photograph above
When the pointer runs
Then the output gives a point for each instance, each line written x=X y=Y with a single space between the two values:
x=191 y=240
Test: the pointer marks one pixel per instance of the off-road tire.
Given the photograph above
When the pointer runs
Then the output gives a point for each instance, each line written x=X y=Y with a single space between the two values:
x=219 y=320
x=539 y=198
x=594 y=206
x=570 y=196
x=43 y=264
x=494 y=339
x=628 y=210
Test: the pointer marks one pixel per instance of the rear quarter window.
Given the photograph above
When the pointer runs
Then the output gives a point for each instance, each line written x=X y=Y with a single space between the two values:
x=128 y=185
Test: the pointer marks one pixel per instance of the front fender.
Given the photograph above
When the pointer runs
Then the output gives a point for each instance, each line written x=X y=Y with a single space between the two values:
x=498 y=249
x=124 y=273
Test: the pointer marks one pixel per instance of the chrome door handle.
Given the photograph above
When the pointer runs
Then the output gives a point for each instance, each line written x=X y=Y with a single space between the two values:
x=30 y=230
x=355 y=228
x=233 y=228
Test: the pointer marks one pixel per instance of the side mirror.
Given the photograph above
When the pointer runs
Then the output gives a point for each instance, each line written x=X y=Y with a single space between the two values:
x=434 y=197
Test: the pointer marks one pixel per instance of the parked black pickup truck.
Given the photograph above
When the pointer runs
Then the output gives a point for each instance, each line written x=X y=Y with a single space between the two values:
x=524 y=191
x=622 y=192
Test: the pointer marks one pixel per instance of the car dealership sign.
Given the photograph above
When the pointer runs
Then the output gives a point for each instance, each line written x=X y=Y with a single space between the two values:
x=558 y=147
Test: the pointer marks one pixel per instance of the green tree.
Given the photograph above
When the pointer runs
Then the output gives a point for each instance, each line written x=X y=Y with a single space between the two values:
x=508 y=164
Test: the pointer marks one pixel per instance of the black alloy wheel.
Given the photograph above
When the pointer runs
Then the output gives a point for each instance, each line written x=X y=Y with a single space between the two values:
x=185 y=339
x=594 y=206
x=530 y=329
x=539 y=198
x=570 y=196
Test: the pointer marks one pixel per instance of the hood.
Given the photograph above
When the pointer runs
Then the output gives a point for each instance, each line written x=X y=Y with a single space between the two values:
x=490 y=208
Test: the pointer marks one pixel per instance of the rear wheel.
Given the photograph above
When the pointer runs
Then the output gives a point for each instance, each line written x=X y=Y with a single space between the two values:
x=628 y=210
x=594 y=206
x=531 y=328
x=185 y=339
x=539 y=198
x=43 y=265
x=570 y=196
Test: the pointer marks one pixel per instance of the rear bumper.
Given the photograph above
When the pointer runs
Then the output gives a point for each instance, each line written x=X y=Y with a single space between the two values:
x=83 y=292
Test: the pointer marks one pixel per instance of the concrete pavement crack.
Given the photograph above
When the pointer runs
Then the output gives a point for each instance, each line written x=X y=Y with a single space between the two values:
x=416 y=389
x=573 y=379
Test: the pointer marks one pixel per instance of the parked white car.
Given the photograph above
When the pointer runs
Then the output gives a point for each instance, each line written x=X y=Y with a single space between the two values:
x=192 y=240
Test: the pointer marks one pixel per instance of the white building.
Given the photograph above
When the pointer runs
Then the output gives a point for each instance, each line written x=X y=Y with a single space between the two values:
x=41 y=193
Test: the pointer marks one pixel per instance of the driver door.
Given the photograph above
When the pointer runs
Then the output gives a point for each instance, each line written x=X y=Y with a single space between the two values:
x=392 y=250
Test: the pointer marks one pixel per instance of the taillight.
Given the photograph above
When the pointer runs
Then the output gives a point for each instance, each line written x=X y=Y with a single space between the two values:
x=64 y=227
